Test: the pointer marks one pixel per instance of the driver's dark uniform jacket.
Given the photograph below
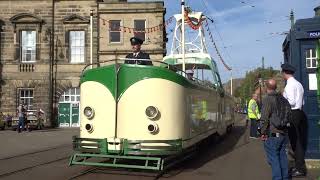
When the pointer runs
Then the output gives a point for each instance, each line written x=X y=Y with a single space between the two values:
x=140 y=55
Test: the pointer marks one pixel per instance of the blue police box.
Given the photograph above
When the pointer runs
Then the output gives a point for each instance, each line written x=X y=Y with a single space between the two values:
x=299 y=49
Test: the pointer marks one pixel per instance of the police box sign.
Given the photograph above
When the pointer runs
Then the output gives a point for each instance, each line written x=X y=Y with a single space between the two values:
x=314 y=34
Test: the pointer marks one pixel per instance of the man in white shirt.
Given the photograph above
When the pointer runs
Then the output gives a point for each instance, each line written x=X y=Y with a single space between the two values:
x=293 y=92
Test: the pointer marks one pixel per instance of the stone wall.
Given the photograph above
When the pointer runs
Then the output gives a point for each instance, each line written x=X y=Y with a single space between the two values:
x=69 y=15
x=153 y=13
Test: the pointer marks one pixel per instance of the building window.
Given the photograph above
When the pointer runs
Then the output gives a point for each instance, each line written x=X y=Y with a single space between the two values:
x=28 y=46
x=115 y=35
x=311 y=58
x=26 y=96
x=77 y=46
x=70 y=95
x=140 y=29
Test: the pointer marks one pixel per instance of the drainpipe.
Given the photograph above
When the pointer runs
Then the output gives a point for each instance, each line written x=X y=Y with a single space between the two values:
x=91 y=26
x=51 y=59
x=98 y=35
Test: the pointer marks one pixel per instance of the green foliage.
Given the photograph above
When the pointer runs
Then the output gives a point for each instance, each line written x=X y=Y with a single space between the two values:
x=251 y=82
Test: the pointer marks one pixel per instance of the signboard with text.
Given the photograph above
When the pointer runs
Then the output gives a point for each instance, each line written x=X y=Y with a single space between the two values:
x=314 y=34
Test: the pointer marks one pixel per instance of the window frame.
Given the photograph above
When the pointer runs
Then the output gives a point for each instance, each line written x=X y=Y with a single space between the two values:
x=145 y=27
x=26 y=99
x=71 y=93
x=310 y=59
x=71 y=47
x=115 y=31
x=22 y=46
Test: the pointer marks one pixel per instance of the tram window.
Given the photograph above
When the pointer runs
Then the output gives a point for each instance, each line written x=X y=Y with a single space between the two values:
x=206 y=76
x=218 y=79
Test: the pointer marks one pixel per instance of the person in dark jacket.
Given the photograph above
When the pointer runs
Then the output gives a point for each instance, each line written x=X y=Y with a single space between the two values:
x=137 y=53
x=275 y=140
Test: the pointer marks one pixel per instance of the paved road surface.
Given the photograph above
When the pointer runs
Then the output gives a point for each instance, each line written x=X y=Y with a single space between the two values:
x=45 y=155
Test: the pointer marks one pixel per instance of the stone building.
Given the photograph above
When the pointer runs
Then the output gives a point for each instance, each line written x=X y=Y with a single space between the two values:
x=45 y=44
x=119 y=22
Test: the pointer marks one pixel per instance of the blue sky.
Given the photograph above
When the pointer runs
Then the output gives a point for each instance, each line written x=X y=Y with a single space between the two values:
x=246 y=30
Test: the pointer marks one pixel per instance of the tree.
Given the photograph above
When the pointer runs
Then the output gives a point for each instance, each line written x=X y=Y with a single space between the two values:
x=250 y=82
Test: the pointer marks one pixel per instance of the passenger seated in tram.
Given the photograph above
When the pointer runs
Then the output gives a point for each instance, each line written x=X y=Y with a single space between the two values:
x=190 y=75
x=137 y=53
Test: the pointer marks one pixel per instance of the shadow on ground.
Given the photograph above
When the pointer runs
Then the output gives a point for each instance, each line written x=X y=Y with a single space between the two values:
x=214 y=147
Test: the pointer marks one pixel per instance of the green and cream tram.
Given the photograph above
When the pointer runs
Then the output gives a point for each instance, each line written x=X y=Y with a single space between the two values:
x=139 y=113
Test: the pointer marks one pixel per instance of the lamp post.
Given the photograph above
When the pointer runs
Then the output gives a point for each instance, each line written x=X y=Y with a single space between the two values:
x=260 y=88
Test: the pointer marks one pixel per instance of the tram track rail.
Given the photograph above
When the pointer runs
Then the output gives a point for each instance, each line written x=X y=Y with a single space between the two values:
x=31 y=167
x=124 y=172
x=31 y=160
x=34 y=152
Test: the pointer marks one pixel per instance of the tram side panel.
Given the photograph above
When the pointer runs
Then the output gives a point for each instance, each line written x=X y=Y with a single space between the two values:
x=229 y=108
x=203 y=115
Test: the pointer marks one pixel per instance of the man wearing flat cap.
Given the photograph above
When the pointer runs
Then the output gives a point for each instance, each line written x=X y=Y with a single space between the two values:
x=133 y=57
x=293 y=92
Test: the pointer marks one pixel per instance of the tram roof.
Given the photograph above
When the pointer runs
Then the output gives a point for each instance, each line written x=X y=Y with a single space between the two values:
x=192 y=60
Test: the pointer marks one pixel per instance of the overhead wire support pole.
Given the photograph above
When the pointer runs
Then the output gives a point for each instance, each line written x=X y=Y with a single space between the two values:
x=182 y=38
x=231 y=88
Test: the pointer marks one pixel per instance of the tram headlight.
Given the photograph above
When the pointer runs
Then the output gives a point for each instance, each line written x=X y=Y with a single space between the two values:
x=88 y=112
x=89 y=128
x=153 y=128
x=152 y=112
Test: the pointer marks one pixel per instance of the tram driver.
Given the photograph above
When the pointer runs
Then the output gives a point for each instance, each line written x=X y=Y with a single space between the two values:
x=137 y=53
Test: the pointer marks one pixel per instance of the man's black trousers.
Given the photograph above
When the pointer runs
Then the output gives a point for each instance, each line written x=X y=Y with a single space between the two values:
x=298 y=133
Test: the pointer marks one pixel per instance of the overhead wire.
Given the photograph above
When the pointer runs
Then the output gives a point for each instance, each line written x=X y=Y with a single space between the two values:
x=246 y=3
x=210 y=34
x=216 y=48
